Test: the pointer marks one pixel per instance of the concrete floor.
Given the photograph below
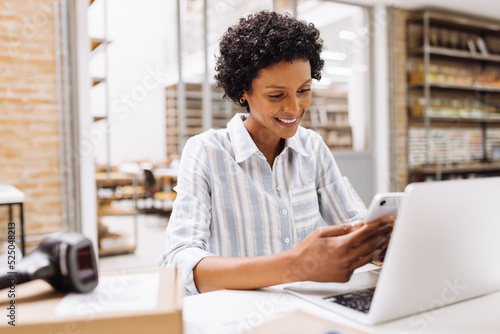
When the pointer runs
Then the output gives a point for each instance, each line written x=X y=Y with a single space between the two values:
x=150 y=242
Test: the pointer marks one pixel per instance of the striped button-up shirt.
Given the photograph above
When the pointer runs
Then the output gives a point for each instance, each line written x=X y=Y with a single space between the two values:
x=230 y=202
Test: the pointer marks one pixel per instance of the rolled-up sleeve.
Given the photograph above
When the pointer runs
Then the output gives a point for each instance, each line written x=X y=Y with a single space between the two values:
x=338 y=201
x=188 y=229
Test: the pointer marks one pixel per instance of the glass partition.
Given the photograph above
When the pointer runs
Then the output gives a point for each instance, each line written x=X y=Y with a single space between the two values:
x=340 y=101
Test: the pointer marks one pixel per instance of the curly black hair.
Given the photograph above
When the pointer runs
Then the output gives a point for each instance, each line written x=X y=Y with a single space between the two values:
x=260 y=40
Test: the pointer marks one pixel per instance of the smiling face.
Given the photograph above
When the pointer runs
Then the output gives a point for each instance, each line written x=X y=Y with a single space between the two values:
x=278 y=100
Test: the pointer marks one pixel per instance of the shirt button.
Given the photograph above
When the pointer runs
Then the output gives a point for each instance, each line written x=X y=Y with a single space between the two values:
x=278 y=188
x=287 y=240
x=284 y=211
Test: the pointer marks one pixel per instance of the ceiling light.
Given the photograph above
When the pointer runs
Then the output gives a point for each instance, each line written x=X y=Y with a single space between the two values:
x=338 y=70
x=332 y=55
x=324 y=82
x=348 y=35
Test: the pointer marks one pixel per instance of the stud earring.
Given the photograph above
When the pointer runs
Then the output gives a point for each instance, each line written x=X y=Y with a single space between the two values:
x=242 y=100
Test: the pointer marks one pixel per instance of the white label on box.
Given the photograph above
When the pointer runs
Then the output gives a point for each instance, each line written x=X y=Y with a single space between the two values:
x=114 y=293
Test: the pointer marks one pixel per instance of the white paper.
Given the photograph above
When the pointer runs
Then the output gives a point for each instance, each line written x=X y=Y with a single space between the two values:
x=114 y=293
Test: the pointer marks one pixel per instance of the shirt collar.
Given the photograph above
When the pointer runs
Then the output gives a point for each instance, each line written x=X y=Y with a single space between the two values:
x=296 y=144
x=244 y=146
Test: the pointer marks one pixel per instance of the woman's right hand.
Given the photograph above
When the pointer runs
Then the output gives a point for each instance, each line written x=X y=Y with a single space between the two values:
x=332 y=253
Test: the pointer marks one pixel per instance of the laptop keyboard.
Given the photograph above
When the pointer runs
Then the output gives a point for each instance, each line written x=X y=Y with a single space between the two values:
x=358 y=300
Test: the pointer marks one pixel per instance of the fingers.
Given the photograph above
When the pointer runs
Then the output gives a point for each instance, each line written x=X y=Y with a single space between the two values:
x=382 y=220
x=369 y=251
x=379 y=260
x=367 y=258
x=341 y=229
x=345 y=247
x=367 y=244
x=383 y=225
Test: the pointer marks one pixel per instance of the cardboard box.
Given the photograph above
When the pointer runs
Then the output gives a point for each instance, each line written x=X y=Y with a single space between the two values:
x=148 y=301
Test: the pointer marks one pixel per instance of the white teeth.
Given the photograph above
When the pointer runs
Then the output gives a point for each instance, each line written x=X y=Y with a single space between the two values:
x=288 y=121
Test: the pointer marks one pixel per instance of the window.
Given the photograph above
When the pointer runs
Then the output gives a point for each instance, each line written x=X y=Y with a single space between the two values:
x=340 y=102
x=340 y=99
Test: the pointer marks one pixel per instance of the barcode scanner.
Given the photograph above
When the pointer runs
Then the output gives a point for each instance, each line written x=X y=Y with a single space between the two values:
x=66 y=261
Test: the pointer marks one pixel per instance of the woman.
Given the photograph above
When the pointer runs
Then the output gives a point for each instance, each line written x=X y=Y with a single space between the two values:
x=263 y=202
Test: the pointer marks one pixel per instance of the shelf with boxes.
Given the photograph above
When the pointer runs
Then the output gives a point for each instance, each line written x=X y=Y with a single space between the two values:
x=329 y=116
x=117 y=194
x=455 y=151
x=453 y=76
x=222 y=111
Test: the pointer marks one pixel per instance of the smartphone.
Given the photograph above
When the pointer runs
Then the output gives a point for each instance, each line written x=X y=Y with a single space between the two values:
x=384 y=204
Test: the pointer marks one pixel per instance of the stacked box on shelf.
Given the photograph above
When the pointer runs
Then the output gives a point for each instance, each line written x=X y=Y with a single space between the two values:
x=474 y=141
x=456 y=147
x=447 y=145
x=438 y=147
x=416 y=147
x=493 y=136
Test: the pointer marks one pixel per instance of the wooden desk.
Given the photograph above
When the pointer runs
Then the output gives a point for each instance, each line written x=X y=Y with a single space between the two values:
x=9 y=196
x=166 y=173
x=113 y=179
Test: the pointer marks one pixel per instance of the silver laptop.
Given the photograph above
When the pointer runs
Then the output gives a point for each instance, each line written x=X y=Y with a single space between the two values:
x=444 y=249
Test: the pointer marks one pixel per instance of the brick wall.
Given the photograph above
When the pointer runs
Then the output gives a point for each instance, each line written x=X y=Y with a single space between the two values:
x=29 y=151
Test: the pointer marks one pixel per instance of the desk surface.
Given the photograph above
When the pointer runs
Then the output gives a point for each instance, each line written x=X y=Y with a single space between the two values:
x=237 y=311
x=166 y=171
x=10 y=194
x=113 y=176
